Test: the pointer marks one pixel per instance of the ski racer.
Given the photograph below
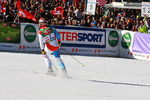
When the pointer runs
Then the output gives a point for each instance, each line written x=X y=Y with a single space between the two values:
x=50 y=42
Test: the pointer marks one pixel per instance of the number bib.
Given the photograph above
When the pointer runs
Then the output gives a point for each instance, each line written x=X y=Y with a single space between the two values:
x=50 y=37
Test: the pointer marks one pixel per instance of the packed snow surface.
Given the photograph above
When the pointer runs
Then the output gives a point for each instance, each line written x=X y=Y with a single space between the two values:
x=22 y=77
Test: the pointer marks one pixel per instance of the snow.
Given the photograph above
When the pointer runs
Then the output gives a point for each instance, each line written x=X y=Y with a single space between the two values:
x=22 y=77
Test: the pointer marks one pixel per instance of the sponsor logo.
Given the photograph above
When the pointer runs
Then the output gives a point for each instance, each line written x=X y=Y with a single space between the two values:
x=29 y=33
x=126 y=40
x=113 y=38
x=94 y=39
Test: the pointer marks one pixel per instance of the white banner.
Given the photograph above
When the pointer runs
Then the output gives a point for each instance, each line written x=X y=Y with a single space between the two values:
x=91 y=5
x=29 y=38
x=125 y=47
x=145 y=10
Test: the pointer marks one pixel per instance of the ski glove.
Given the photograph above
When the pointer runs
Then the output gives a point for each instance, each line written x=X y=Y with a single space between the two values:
x=43 y=52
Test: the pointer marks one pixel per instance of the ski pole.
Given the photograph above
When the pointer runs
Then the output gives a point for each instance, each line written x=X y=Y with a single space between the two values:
x=78 y=61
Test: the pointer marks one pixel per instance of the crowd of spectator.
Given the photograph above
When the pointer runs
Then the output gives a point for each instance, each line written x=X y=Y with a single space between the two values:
x=75 y=14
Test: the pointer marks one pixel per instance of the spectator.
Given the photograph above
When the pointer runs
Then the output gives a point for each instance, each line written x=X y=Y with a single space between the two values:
x=74 y=14
x=129 y=24
x=143 y=28
x=93 y=23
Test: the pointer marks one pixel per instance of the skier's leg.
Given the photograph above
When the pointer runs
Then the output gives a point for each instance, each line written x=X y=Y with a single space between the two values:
x=50 y=68
x=59 y=60
x=47 y=61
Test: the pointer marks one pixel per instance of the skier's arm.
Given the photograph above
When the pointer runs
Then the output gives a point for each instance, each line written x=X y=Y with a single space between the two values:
x=42 y=45
x=41 y=41
x=58 y=37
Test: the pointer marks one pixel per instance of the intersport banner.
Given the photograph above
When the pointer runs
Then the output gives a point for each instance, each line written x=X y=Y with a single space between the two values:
x=88 y=41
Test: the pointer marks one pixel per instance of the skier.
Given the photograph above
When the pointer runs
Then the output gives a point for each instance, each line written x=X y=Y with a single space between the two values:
x=50 y=43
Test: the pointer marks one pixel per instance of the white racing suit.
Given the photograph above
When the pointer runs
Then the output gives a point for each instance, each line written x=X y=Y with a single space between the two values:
x=48 y=39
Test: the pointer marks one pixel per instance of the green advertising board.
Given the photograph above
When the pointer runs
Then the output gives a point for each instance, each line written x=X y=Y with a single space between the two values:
x=9 y=33
x=126 y=40
x=113 y=38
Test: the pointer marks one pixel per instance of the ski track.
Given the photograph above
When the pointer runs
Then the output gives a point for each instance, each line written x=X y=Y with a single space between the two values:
x=22 y=77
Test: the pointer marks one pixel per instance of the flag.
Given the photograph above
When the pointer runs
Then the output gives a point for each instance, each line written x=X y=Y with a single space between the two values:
x=26 y=14
x=77 y=1
x=4 y=9
x=58 y=11
x=0 y=8
x=18 y=4
x=23 y=13
x=101 y=2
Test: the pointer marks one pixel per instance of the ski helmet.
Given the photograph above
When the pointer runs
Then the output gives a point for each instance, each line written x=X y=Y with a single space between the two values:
x=42 y=22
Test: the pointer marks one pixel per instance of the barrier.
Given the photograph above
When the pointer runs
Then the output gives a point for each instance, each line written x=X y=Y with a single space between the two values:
x=78 y=40
x=89 y=41
x=22 y=38
x=135 y=45
x=125 y=45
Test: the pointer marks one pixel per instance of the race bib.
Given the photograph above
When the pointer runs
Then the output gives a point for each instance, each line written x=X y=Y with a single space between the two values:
x=47 y=38
x=50 y=37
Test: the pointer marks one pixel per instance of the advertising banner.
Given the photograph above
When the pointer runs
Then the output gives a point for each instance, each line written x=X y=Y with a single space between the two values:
x=91 y=6
x=78 y=40
x=75 y=40
x=9 y=36
x=125 y=47
x=19 y=37
x=145 y=9
x=141 y=46
x=112 y=41
x=141 y=43
x=29 y=38
x=89 y=41
x=135 y=45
